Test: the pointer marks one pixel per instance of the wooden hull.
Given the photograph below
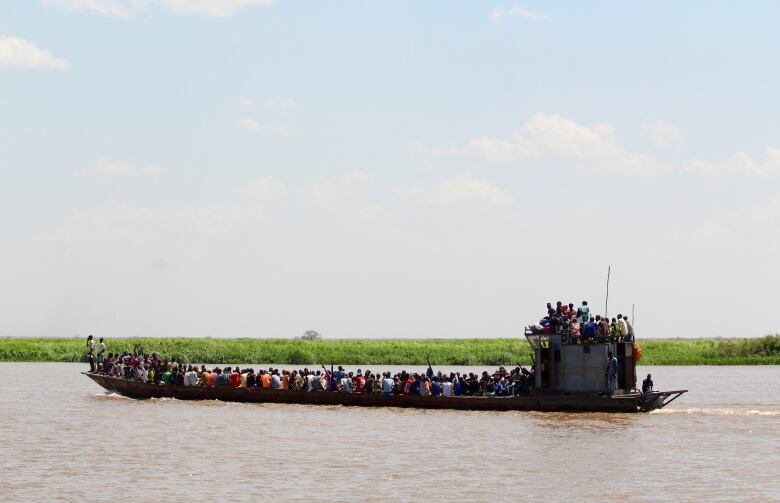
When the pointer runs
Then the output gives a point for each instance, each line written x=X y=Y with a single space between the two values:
x=537 y=402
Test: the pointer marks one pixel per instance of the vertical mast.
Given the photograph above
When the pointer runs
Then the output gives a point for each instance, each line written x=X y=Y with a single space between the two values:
x=606 y=302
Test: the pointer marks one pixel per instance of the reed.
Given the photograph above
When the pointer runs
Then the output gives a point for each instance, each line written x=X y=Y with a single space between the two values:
x=490 y=352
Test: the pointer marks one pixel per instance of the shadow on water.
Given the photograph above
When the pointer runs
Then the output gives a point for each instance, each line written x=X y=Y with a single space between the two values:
x=593 y=421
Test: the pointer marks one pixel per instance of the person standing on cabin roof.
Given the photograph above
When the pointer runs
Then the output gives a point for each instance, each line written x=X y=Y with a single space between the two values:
x=585 y=311
x=623 y=326
x=589 y=329
x=630 y=336
x=612 y=372
x=614 y=330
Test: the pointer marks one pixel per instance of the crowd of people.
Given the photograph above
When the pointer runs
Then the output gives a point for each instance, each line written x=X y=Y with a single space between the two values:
x=160 y=371
x=577 y=325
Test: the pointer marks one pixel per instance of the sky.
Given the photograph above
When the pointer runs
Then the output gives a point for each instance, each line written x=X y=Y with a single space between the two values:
x=259 y=168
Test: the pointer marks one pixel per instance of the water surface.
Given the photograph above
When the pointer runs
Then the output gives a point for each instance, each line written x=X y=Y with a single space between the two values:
x=64 y=439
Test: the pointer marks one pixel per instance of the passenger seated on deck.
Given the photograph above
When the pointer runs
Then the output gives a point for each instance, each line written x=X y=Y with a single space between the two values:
x=602 y=328
x=166 y=377
x=191 y=377
x=446 y=387
x=435 y=386
x=387 y=385
x=647 y=384
x=235 y=378
x=574 y=330
x=276 y=380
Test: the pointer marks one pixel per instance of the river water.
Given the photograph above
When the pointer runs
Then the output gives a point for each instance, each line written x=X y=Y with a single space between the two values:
x=64 y=439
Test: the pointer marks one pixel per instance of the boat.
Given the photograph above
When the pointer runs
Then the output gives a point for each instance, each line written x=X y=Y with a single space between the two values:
x=570 y=377
x=629 y=402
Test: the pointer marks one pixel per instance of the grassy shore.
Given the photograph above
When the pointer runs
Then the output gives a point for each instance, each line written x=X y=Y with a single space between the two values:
x=760 y=351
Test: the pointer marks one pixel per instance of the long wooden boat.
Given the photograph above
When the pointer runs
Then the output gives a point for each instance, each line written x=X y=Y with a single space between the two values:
x=546 y=402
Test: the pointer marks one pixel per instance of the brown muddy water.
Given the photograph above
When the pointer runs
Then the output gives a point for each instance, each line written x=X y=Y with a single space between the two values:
x=64 y=439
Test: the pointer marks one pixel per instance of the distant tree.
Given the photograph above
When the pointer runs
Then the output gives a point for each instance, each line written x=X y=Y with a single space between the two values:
x=311 y=335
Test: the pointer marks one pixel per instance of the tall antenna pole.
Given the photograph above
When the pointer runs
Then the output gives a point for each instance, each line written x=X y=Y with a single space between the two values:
x=633 y=316
x=606 y=302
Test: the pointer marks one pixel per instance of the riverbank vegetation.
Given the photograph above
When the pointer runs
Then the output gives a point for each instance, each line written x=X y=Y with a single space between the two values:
x=491 y=352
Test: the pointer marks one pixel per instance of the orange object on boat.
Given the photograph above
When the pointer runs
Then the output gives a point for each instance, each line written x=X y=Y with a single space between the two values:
x=637 y=353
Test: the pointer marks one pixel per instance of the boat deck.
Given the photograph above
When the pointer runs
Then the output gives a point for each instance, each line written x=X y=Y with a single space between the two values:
x=633 y=402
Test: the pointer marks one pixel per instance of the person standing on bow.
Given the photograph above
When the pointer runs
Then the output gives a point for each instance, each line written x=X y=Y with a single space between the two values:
x=91 y=353
x=101 y=355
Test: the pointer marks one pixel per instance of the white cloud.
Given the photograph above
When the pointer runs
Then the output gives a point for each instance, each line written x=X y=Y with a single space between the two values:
x=281 y=103
x=112 y=167
x=264 y=130
x=499 y=15
x=595 y=148
x=356 y=186
x=739 y=163
x=17 y=52
x=117 y=221
x=245 y=103
x=461 y=190
x=430 y=150
x=552 y=134
x=265 y=188
x=496 y=149
x=126 y=9
x=664 y=135
x=248 y=124
x=766 y=213
x=741 y=225
x=216 y=8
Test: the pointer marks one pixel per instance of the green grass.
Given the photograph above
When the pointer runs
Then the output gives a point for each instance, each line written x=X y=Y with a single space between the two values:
x=760 y=351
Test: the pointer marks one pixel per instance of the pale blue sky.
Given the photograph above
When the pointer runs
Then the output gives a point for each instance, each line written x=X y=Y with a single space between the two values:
x=443 y=169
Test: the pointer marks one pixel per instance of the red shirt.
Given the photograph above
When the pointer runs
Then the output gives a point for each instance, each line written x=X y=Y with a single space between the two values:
x=359 y=384
x=235 y=380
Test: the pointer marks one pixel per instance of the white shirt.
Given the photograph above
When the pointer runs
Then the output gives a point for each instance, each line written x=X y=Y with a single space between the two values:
x=446 y=388
x=389 y=384
x=276 y=381
x=190 y=378
x=309 y=382
x=91 y=345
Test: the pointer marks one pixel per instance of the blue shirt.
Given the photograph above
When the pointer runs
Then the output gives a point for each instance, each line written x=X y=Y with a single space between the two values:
x=589 y=330
x=612 y=366
x=435 y=388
